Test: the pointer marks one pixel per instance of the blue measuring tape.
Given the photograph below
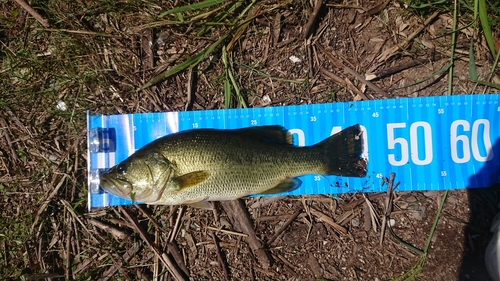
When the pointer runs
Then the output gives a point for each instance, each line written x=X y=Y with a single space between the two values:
x=431 y=143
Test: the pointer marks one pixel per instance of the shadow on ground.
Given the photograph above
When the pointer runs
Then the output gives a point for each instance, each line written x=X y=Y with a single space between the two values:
x=483 y=204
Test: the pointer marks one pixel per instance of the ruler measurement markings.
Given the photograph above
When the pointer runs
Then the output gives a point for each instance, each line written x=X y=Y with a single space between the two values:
x=480 y=113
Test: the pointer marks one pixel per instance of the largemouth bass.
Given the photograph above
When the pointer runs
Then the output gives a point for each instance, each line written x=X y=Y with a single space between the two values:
x=196 y=166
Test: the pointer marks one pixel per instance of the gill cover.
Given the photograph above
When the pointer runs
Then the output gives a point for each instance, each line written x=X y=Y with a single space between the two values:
x=160 y=171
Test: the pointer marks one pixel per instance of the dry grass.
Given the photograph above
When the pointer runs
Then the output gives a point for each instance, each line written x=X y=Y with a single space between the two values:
x=96 y=55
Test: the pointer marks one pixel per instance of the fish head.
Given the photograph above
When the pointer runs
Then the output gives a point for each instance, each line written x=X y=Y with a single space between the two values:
x=141 y=178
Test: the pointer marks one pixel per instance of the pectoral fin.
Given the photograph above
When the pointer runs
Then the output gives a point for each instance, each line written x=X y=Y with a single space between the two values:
x=190 y=179
x=284 y=186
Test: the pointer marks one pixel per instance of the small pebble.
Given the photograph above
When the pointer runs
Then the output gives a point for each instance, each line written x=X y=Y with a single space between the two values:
x=294 y=59
x=355 y=222
x=61 y=105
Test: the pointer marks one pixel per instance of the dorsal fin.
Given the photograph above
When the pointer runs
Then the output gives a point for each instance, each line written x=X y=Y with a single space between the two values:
x=272 y=133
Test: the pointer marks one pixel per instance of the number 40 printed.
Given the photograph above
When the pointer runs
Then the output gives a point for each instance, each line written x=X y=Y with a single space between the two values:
x=463 y=145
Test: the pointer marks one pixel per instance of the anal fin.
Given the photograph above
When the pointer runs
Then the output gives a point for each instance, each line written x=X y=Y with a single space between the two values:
x=284 y=186
x=204 y=205
x=199 y=202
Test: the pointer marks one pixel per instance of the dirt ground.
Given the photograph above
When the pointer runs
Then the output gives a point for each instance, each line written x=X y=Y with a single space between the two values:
x=46 y=232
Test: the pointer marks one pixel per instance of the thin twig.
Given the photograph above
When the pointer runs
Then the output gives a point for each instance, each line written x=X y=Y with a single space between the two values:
x=342 y=82
x=241 y=220
x=373 y=217
x=146 y=213
x=453 y=46
x=222 y=261
x=33 y=13
x=366 y=82
x=47 y=201
x=174 y=250
x=392 y=51
x=326 y=219
x=156 y=260
x=285 y=226
x=215 y=211
x=189 y=90
x=377 y=8
x=354 y=203
x=117 y=233
x=44 y=276
x=352 y=72
x=288 y=265
x=81 y=32
x=67 y=268
x=396 y=69
x=227 y=231
x=312 y=19
x=108 y=274
x=13 y=153
x=172 y=267
x=118 y=264
x=177 y=224
x=77 y=218
x=388 y=205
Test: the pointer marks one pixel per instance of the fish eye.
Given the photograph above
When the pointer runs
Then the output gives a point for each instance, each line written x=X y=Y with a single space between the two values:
x=120 y=169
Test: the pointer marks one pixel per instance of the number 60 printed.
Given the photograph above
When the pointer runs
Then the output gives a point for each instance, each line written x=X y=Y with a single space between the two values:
x=462 y=145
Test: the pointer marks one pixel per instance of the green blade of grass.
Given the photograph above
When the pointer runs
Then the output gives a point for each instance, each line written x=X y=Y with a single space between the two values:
x=452 y=51
x=483 y=17
x=177 y=68
x=492 y=71
x=436 y=220
x=184 y=65
x=243 y=27
x=225 y=12
x=227 y=93
x=472 y=62
x=427 y=5
x=417 y=268
x=489 y=84
x=236 y=89
x=494 y=66
x=407 y=245
x=227 y=84
x=439 y=72
x=206 y=15
x=192 y=7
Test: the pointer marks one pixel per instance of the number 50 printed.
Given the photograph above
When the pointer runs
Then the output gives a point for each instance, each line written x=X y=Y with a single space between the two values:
x=465 y=141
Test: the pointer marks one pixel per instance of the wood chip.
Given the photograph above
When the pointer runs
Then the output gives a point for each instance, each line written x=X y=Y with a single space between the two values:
x=402 y=46
x=314 y=266
x=308 y=27
x=169 y=263
x=240 y=218
x=117 y=233
x=227 y=231
x=220 y=257
x=285 y=226
x=326 y=219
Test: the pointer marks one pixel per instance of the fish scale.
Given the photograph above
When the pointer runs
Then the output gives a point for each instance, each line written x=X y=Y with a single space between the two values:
x=245 y=165
x=208 y=165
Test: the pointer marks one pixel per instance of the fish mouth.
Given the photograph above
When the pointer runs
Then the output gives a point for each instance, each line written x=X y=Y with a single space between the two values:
x=115 y=186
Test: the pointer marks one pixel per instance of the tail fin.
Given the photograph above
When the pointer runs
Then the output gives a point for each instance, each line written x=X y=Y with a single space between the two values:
x=343 y=151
